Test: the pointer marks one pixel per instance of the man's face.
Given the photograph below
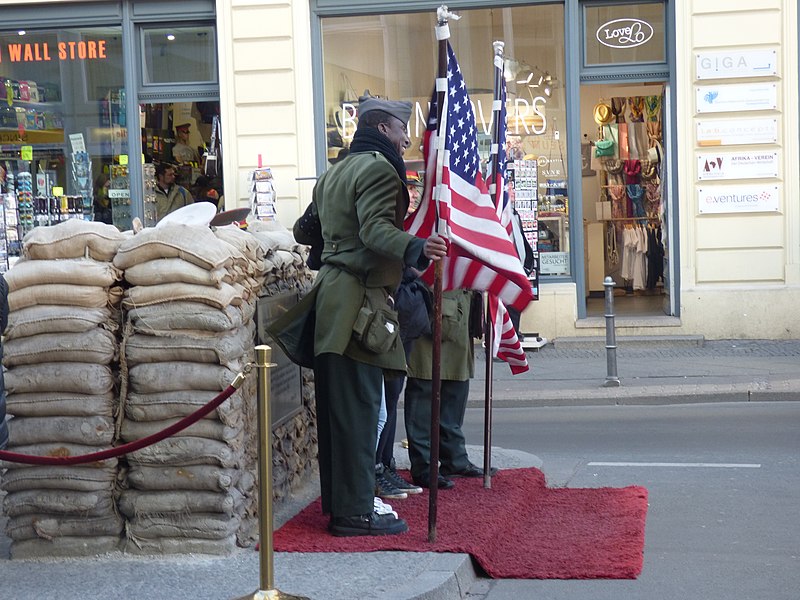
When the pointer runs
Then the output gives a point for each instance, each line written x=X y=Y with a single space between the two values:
x=168 y=178
x=395 y=130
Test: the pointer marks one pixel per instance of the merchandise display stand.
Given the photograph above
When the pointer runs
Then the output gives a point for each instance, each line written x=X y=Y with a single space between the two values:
x=262 y=194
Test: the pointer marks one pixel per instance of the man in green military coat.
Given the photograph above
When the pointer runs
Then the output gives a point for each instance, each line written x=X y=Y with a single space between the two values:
x=360 y=203
x=457 y=368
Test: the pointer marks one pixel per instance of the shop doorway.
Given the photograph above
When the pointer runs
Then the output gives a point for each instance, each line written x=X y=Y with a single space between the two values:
x=624 y=192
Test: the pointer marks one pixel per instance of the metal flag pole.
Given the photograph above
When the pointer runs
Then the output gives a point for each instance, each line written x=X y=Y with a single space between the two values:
x=267 y=590
x=442 y=35
x=489 y=332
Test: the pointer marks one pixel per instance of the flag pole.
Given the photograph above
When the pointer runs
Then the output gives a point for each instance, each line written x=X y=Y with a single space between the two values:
x=442 y=35
x=489 y=331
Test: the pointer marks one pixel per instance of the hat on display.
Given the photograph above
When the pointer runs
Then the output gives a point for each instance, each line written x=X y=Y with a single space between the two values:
x=397 y=108
x=602 y=113
x=183 y=126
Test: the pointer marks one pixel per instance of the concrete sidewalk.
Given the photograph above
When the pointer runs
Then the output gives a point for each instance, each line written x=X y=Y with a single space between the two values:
x=569 y=372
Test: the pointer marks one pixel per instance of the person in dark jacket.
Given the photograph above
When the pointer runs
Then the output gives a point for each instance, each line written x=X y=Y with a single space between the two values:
x=3 y=323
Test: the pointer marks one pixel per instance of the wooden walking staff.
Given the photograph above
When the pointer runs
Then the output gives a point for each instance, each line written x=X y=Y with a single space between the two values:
x=267 y=589
x=442 y=35
x=488 y=326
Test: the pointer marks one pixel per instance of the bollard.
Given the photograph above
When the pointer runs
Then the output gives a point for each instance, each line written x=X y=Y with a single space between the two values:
x=267 y=589
x=612 y=379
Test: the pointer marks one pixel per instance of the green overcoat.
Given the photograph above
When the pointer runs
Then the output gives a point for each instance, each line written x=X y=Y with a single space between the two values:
x=361 y=202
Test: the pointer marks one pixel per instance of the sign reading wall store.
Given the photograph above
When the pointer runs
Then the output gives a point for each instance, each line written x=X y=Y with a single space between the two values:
x=624 y=34
x=286 y=386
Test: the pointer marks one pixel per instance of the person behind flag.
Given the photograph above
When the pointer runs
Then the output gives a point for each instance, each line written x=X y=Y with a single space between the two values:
x=360 y=203
x=457 y=368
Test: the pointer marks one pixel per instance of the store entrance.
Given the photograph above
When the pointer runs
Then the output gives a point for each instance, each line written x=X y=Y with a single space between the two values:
x=181 y=135
x=624 y=201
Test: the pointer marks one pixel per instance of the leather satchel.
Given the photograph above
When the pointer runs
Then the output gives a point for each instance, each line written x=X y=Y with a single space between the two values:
x=604 y=148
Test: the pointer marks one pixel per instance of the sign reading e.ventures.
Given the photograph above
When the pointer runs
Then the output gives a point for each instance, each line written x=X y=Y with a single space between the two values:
x=43 y=52
x=738 y=198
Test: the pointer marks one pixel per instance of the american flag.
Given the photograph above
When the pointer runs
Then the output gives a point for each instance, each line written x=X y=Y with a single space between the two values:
x=505 y=342
x=481 y=255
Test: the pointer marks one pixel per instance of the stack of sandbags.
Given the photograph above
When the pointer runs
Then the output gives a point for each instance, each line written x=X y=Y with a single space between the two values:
x=188 y=331
x=285 y=261
x=60 y=351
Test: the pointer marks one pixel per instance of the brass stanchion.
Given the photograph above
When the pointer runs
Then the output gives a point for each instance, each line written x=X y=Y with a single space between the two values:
x=267 y=588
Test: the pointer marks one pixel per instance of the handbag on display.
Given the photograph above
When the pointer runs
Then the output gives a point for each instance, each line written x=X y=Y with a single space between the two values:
x=604 y=148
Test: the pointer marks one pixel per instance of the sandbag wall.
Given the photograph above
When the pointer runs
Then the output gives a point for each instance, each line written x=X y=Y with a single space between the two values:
x=60 y=351
x=184 y=329
x=188 y=332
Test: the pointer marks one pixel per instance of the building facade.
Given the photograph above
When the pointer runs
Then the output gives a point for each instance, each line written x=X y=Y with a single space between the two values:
x=701 y=116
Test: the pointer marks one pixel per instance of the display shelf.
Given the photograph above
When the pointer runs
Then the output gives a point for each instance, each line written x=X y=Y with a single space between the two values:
x=10 y=135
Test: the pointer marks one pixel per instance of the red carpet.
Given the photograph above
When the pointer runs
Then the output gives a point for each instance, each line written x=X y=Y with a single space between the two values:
x=519 y=529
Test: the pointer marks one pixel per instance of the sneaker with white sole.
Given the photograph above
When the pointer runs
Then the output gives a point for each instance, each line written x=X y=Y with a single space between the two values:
x=382 y=508
x=384 y=488
x=401 y=484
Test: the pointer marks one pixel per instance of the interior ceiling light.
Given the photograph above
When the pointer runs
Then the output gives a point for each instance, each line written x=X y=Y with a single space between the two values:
x=171 y=37
x=21 y=32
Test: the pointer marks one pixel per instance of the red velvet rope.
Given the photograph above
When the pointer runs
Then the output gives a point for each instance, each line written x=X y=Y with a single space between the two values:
x=61 y=461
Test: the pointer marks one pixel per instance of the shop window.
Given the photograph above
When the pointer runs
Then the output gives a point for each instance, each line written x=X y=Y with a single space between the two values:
x=63 y=127
x=185 y=54
x=394 y=56
x=617 y=34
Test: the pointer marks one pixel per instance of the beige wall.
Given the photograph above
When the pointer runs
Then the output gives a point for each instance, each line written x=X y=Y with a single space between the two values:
x=266 y=97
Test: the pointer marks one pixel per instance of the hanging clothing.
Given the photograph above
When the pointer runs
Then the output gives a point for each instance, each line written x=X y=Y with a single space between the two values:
x=639 y=261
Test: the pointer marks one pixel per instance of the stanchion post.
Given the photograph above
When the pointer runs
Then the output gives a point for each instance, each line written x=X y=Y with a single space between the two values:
x=612 y=379
x=267 y=588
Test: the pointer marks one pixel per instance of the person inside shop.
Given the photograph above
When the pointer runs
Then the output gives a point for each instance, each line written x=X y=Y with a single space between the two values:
x=102 y=203
x=360 y=203
x=169 y=195
x=203 y=190
x=182 y=152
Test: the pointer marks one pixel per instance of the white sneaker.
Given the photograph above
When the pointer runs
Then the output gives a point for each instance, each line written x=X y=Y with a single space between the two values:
x=382 y=508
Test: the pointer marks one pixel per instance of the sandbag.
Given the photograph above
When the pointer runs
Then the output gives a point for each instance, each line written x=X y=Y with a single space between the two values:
x=137 y=502
x=56 y=449
x=60 y=502
x=66 y=546
x=80 y=378
x=181 y=403
x=50 y=404
x=81 y=271
x=36 y=320
x=181 y=546
x=188 y=316
x=193 y=243
x=49 y=527
x=83 y=479
x=186 y=451
x=175 y=270
x=73 y=238
x=204 y=428
x=96 y=346
x=173 y=376
x=195 y=477
x=202 y=526
x=166 y=293
x=63 y=294
x=225 y=349
x=243 y=241
x=87 y=431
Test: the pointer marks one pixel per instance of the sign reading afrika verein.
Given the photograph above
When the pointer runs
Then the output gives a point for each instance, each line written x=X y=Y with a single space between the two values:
x=44 y=52
x=737 y=165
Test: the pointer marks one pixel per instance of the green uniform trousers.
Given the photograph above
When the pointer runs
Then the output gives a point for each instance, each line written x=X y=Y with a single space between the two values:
x=348 y=399
x=452 y=444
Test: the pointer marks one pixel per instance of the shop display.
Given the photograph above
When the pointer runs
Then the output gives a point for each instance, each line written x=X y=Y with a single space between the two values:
x=522 y=177
x=149 y=188
x=120 y=195
x=262 y=194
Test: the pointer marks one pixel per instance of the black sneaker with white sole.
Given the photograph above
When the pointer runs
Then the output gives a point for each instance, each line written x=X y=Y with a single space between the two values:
x=401 y=484
x=368 y=524
x=384 y=488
